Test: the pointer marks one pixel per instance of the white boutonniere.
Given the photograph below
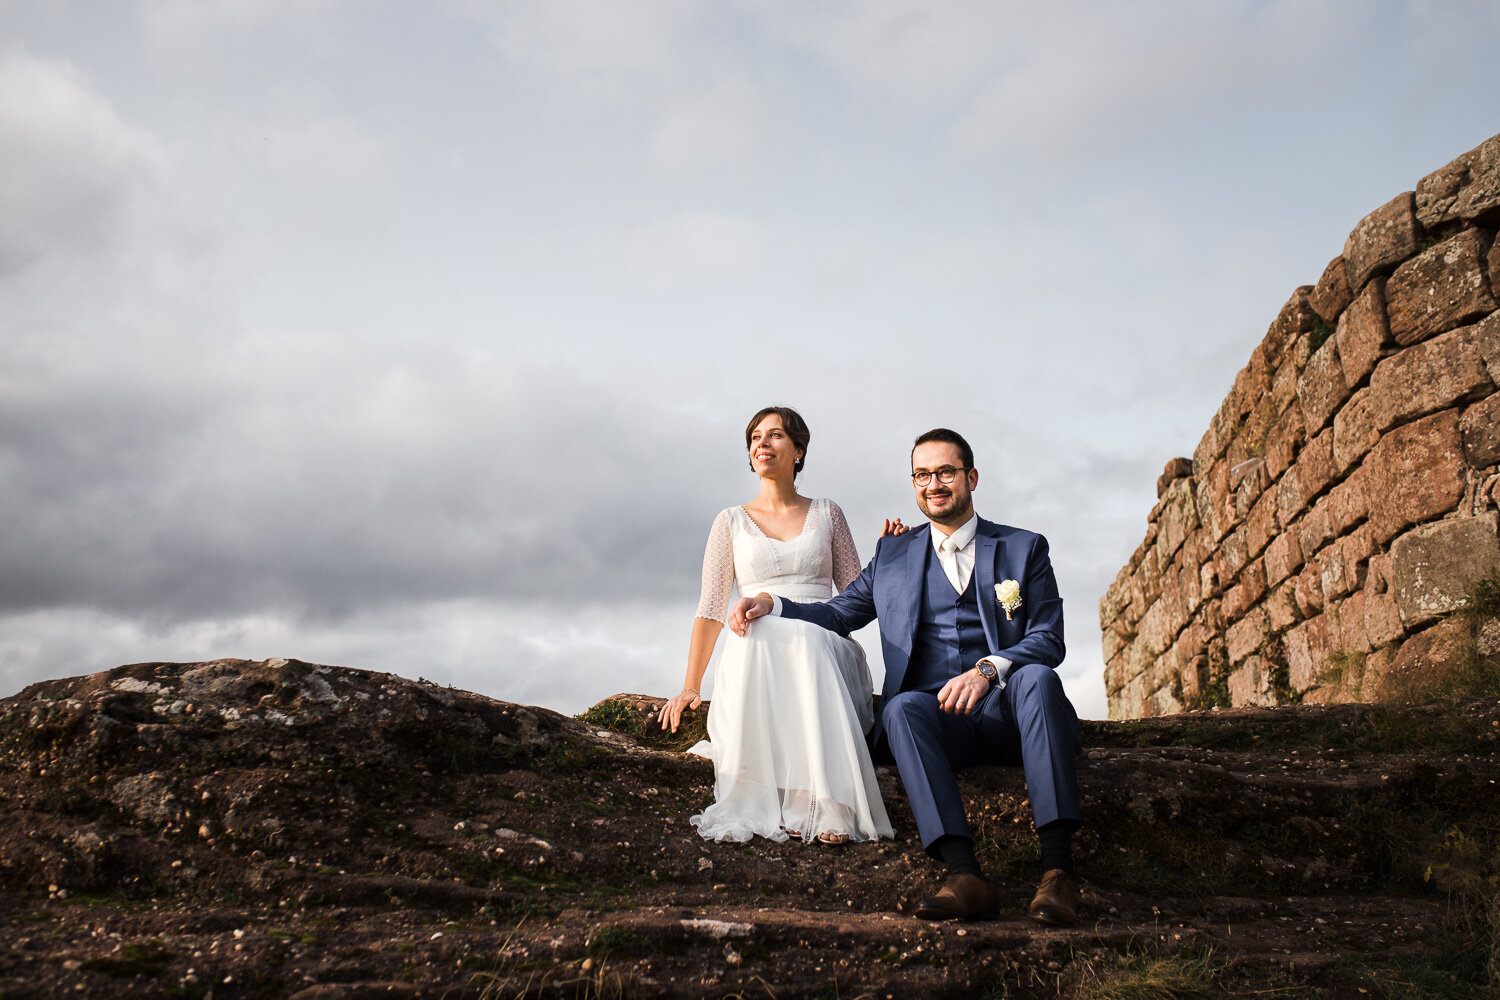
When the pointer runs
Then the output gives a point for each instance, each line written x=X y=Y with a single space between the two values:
x=1008 y=593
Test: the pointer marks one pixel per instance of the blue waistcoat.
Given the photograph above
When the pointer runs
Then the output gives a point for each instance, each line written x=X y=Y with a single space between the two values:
x=950 y=634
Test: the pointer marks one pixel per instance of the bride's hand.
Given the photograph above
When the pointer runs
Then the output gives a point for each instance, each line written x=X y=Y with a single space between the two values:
x=893 y=528
x=746 y=610
x=671 y=712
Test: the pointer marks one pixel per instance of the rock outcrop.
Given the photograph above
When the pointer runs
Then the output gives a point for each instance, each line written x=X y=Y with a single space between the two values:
x=238 y=829
x=1343 y=500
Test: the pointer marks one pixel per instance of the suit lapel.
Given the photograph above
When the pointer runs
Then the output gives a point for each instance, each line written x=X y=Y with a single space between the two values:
x=986 y=553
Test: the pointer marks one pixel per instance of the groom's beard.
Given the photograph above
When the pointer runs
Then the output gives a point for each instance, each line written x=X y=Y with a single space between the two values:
x=958 y=513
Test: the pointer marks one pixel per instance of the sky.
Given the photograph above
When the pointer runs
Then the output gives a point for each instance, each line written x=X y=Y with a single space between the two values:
x=421 y=337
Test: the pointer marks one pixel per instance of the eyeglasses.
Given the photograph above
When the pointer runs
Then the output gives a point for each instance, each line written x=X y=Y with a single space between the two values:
x=944 y=476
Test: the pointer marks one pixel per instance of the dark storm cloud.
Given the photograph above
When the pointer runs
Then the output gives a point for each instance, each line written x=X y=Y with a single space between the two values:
x=314 y=496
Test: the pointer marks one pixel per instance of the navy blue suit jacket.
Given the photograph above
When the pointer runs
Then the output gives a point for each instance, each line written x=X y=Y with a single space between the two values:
x=890 y=588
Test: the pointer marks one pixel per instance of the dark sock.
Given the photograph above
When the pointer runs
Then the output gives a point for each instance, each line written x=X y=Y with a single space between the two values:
x=958 y=854
x=1057 y=844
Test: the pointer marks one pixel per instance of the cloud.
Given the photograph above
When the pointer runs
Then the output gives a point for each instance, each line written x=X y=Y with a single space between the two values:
x=73 y=168
x=719 y=128
x=531 y=653
x=587 y=37
x=694 y=246
x=200 y=35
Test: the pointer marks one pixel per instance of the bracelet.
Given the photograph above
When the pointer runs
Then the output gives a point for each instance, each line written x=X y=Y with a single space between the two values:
x=694 y=690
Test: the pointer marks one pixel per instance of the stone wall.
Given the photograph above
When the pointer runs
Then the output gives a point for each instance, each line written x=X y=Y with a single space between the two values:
x=1344 y=496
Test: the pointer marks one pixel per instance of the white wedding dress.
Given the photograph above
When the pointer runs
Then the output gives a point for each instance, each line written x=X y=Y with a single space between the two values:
x=792 y=701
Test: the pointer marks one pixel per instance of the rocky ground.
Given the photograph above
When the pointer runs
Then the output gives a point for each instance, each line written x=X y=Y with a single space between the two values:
x=279 y=829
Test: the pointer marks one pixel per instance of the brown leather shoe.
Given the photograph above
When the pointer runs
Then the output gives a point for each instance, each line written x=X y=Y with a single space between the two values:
x=1056 y=900
x=962 y=897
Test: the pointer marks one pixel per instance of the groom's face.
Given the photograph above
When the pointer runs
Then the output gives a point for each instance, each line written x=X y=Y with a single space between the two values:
x=949 y=503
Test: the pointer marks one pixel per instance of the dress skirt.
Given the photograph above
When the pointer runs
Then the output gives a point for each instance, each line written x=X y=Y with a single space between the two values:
x=786 y=725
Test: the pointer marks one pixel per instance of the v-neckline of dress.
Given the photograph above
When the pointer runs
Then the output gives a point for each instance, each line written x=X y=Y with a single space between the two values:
x=807 y=517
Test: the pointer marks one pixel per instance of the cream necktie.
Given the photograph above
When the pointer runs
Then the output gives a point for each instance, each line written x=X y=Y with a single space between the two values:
x=948 y=556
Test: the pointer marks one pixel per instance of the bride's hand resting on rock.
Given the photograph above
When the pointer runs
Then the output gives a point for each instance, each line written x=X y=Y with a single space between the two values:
x=893 y=528
x=671 y=712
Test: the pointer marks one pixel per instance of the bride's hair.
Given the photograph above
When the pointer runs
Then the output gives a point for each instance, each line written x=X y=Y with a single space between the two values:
x=791 y=422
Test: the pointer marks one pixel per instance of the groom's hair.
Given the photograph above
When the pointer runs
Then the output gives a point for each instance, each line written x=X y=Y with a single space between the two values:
x=946 y=436
x=791 y=422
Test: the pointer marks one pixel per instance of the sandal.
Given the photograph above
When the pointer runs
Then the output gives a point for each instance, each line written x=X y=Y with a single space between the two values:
x=833 y=839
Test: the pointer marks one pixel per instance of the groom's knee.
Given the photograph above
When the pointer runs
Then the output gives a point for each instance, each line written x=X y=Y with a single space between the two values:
x=1034 y=679
x=910 y=709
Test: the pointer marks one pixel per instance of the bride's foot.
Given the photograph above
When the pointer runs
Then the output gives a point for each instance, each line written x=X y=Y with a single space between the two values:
x=833 y=839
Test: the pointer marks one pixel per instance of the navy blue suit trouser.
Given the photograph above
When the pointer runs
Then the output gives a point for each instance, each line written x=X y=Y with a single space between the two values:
x=1029 y=722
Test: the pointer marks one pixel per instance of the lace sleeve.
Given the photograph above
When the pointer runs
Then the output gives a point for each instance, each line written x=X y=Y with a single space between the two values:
x=845 y=557
x=718 y=571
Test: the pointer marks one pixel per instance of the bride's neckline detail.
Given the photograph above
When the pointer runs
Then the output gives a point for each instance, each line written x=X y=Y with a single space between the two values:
x=772 y=538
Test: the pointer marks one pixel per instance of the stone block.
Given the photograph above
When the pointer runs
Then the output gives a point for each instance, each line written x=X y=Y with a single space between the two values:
x=1378 y=573
x=1416 y=474
x=1357 y=428
x=1295 y=319
x=1189 y=586
x=1436 y=566
x=1215 y=502
x=1194 y=678
x=1480 y=427
x=1149 y=573
x=1423 y=663
x=1250 y=443
x=1208 y=579
x=1310 y=590
x=1210 y=446
x=1363 y=333
x=1247 y=593
x=1432 y=375
x=1441 y=288
x=1155 y=630
x=1283 y=557
x=1177 y=468
x=1281 y=607
x=1383 y=239
x=1285 y=440
x=1250 y=684
x=1283 y=388
x=1489 y=343
x=1352 y=635
x=1307 y=647
x=1178 y=517
x=1343 y=564
x=1232 y=558
x=1261 y=526
x=1315 y=468
x=1467 y=189
x=1321 y=388
x=1494 y=268
x=1247 y=635
x=1249 y=481
x=1346 y=503
x=1315 y=530
x=1331 y=295
x=1382 y=619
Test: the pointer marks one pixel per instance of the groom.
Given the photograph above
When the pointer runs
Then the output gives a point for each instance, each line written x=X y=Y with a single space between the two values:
x=971 y=629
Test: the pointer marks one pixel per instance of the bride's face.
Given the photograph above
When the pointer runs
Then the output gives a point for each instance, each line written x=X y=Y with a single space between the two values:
x=771 y=450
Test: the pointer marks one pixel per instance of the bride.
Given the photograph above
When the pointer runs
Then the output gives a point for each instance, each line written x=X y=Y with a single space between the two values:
x=793 y=701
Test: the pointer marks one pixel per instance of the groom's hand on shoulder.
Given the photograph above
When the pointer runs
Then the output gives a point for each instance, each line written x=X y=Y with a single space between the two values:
x=746 y=610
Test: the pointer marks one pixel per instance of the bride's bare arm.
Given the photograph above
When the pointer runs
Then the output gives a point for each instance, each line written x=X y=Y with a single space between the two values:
x=713 y=603
x=700 y=648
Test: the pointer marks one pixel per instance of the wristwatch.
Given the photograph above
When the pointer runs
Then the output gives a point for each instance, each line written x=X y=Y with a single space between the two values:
x=988 y=672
